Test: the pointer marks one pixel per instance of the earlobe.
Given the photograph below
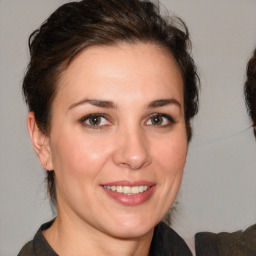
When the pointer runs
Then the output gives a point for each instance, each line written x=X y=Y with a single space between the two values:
x=40 y=142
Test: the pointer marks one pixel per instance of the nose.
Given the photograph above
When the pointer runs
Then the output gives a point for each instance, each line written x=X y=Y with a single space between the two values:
x=132 y=150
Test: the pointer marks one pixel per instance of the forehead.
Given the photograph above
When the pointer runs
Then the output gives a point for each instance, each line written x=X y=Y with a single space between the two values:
x=131 y=68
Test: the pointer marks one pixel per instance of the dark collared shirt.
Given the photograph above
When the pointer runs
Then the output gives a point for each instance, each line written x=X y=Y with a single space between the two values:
x=227 y=244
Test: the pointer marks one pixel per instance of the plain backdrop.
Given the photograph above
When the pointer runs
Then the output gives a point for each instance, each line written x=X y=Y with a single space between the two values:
x=218 y=191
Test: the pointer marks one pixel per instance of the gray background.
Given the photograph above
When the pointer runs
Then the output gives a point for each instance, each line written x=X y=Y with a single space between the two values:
x=218 y=191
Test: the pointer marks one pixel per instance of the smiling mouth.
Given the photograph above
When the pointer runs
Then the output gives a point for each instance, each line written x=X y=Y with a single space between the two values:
x=128 y=190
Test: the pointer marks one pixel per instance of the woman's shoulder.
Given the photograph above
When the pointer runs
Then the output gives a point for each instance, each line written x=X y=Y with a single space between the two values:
x=167 y=242
x=26 y=250
x=238 y=243
x=38 y=246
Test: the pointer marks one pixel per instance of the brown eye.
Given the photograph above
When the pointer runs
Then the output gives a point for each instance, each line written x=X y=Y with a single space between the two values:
x=157 y=120
x=162 y=120
x=96 y=120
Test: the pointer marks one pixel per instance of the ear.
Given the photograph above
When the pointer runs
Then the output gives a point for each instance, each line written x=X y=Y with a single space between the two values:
x=40 y=142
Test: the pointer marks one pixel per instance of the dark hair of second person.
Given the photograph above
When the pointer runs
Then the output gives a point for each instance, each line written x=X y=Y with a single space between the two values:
x=239 y=242
x=250 y=89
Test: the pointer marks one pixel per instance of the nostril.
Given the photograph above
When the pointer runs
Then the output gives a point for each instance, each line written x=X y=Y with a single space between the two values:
x=134 y=163
x=132 y=150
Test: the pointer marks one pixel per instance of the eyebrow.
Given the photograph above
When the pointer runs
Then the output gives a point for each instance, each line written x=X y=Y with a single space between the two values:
x=94 y=102
x=163 y=102
x=110 y=104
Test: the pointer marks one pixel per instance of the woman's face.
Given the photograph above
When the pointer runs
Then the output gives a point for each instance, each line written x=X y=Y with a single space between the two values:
x=118 y=139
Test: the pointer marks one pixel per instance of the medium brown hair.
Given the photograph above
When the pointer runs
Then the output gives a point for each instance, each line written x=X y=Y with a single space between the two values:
x=77 y=25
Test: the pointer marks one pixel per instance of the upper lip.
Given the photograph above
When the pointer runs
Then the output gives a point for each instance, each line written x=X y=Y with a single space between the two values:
x=129 y=183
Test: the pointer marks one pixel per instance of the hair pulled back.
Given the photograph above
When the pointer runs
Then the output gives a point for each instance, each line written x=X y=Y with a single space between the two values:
x=77 y=25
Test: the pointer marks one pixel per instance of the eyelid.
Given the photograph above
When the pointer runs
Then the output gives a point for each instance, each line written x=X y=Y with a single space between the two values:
x=91 y=115
x=170 y=119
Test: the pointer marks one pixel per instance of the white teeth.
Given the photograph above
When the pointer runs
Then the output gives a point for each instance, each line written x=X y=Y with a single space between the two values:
x=119 y=189
x=135 y=190
x=128 y=190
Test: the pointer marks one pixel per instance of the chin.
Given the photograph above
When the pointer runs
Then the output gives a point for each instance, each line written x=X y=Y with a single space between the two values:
x=131 y=233
x=133 y=227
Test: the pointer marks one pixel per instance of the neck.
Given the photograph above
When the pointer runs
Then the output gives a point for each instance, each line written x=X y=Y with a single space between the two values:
x=68 y=237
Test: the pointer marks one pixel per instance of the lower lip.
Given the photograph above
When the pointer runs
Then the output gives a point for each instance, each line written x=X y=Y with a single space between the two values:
x=131 y=200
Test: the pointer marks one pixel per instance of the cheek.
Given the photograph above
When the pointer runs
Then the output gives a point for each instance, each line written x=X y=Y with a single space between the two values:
x=77 y=162
x=78 y=154
x=171 y=154
x=170 y=159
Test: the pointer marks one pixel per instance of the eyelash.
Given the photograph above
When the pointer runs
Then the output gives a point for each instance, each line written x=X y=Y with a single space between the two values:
x=96 y=115
x=83 y=120
x=170 y=119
